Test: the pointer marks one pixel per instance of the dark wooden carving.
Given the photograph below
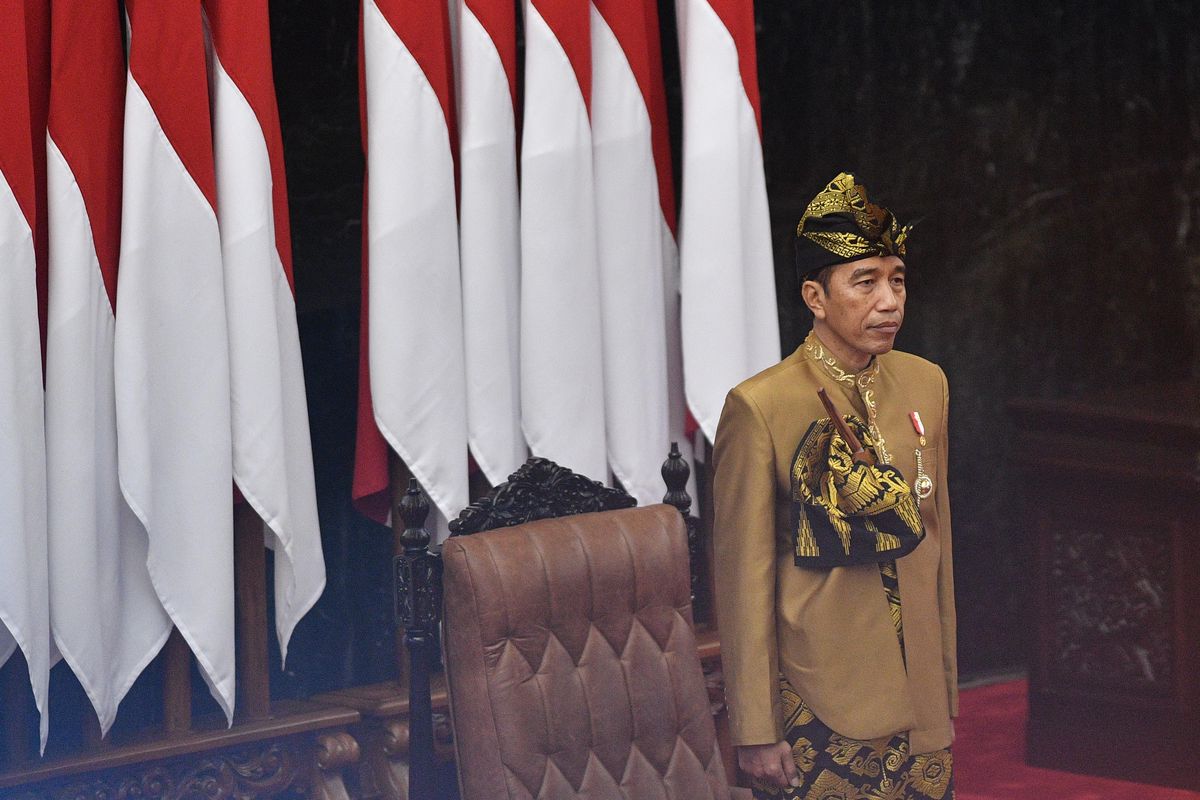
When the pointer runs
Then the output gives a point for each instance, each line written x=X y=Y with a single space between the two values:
x=277 y=769
x=1111 y=608
x=1110 y=501
x=675 y=473
x=540 y=489
x=335 y=753
x=418 y=568
x=418 y=573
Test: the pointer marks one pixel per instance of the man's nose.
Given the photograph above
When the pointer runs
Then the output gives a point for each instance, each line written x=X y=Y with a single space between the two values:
x=888 y=300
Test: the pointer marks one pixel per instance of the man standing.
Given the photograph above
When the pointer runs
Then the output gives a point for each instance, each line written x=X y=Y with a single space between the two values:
x=836 y=606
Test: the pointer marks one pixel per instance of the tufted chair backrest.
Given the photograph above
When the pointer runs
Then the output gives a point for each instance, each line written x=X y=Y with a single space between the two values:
x=572 y=664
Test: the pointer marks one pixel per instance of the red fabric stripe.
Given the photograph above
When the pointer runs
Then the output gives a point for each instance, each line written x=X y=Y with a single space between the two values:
x=241 y=35
x=425 y=31
x=167 y=60
x=370 y=489
x=499 y=19
x=87 y=103
x=635 y=24
x=16 y=150
x=570 y=22
x=738 y=16
x=37 y=37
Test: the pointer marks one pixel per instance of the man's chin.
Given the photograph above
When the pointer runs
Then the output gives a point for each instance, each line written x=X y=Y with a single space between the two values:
x=882 y=342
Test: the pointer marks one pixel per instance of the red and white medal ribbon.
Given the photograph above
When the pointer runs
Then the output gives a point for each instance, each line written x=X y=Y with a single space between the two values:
x=924 y=484
x=918 y=426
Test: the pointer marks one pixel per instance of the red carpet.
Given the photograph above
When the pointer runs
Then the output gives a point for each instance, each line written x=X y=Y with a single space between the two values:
x=989 y=754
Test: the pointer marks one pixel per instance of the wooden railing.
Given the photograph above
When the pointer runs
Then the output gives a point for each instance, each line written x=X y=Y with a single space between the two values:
x=289 y=747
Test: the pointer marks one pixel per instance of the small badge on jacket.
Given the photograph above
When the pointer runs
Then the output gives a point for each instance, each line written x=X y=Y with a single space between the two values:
x=923 y=485
x=918 y=426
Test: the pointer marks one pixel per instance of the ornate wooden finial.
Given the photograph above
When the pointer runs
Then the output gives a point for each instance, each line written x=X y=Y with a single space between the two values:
x=417 y=570
x=414 y=510
x=418 y=596
x=675 y=473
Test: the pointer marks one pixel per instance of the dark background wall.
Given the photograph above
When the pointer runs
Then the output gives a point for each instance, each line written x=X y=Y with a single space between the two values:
x=1050 y=155
x=1049 y=152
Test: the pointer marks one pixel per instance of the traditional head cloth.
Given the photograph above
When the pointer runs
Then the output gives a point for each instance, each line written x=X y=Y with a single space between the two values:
x=841 y=224
x=845 y=512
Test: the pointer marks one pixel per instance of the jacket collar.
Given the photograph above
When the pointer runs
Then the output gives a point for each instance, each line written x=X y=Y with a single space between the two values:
x=815 y=350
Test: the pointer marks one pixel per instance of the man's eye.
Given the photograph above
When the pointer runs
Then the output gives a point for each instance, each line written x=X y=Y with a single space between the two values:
x=898 y=281
x=868 y=283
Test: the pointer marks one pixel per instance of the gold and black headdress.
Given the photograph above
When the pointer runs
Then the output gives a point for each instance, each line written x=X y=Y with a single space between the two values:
x=841 y=224
x=845 y=511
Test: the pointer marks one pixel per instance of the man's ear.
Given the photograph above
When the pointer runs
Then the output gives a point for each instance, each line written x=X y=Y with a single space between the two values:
x=813 y=294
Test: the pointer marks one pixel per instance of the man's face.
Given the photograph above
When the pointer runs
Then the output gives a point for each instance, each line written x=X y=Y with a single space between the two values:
x=863 y=308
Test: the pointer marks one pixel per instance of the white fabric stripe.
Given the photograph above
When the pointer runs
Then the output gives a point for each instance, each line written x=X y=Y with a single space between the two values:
x=24 y=589
x=272 y=453
x=416 y=325
x=562 y=385
x=489 y=235
x=107 y=620
x=730 y=324
x=172 y=392
x=629 y=226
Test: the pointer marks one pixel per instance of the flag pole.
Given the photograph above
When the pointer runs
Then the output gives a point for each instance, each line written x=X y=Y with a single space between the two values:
x=250 y=598
x=177 y=686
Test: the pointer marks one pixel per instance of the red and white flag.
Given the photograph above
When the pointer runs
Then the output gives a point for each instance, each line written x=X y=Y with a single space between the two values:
x=171 y=342
x=414 y=296
x=489 y=232
x=562 y=369
x=24 y=592
x=108 y=622
x=635 y=218
x=272 y=453
x=730 y=326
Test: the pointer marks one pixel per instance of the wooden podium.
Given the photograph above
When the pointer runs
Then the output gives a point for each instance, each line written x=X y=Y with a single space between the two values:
x=1111 y=488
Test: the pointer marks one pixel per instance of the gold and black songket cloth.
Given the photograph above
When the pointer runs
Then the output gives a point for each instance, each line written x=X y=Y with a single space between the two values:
x=841 y=224
x=846 y=512
x=836 y=767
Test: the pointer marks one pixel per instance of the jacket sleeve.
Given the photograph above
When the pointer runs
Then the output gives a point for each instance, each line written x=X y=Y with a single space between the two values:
x=744 y=570
x=946 y=568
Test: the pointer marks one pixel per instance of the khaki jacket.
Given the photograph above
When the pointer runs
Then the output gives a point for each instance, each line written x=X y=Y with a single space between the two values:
x=829 y=631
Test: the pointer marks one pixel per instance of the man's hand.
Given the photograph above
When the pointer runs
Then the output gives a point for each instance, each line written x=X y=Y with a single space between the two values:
x=769 y=763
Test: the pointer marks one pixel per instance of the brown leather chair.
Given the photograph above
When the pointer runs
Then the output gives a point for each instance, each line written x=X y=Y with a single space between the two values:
x=571 y=661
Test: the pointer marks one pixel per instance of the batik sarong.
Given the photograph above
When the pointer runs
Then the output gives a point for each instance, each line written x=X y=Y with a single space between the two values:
x=836 y=767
